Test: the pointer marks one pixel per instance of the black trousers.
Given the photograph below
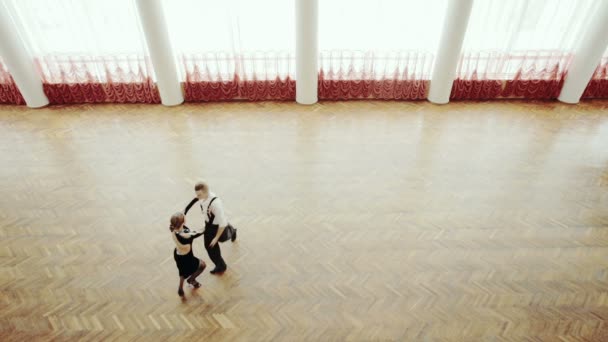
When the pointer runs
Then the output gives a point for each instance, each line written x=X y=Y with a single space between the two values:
x=215 y=253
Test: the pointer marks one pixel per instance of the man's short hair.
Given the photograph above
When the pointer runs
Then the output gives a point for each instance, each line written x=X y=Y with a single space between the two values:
x=201 y=186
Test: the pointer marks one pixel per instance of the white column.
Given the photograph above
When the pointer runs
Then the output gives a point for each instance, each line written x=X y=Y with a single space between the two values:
x=307 y=51
x=448 y=54
x=155 y=30
x=587 y=56
x=19 y=63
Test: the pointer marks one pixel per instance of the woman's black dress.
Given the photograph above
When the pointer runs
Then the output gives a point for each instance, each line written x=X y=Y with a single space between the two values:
x=188 y=263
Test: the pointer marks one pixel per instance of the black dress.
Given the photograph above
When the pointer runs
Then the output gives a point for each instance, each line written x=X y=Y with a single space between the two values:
x=187 y=263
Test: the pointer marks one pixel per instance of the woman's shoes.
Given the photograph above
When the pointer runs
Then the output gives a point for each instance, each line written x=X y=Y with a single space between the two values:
x=194 y=283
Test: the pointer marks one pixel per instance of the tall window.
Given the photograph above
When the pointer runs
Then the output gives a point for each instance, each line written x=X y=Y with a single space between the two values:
x=86 y=51
x=380 y=49
x=234 y=49
x=519 y=48
x=95 y=51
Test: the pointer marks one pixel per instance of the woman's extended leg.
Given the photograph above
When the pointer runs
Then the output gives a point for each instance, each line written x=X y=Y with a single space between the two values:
x=180 y=291
x=192 y=279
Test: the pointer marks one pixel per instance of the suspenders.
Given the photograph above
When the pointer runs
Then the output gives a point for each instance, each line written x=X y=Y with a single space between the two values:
x=209 y=211
x=228 y=233
x=196 y=200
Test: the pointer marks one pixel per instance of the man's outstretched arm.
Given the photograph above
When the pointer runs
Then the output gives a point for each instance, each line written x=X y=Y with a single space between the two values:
x=190 y=205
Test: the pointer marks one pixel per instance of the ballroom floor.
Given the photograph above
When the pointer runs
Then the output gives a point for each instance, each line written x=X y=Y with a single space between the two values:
x=357 y=221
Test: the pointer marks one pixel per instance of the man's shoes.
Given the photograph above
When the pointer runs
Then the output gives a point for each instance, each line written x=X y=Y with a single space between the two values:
x=180 y=292
x=234 y=235
x=218 y=270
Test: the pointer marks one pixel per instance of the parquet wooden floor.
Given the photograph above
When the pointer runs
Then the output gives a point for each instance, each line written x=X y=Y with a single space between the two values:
x=357 y=221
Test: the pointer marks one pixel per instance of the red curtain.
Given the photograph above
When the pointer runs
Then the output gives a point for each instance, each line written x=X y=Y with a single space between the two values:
x=9 y=93
x=386 y=89
x=133 y=86
x=115 y=79
x=226 y=77
x=114 y=92
x=236 y=89
x=528 y=75
x=598 y=86
x=357 y=75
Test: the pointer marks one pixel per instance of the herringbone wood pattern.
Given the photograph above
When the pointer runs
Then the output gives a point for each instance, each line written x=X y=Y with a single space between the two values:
x=358 y=221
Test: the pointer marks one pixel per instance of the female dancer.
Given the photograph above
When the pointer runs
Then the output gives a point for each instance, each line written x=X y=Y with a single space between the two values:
x=188 y=265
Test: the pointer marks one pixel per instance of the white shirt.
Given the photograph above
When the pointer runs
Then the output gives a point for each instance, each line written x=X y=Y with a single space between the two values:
x=217 y=209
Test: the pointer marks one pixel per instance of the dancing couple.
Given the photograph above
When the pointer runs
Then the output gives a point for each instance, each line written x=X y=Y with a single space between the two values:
x=217 y=229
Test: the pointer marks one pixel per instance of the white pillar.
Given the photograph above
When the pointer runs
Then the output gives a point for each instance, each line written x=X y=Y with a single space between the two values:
x=587 y=55
x=19 y=63
x=307 y=51
x=448 y=54
x=159 y=46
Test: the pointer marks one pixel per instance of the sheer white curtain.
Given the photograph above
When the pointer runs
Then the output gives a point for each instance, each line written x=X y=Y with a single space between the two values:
x=94 y=50
x=378 y=49
x=519 y=48
x=86 y=50
x=234 y=49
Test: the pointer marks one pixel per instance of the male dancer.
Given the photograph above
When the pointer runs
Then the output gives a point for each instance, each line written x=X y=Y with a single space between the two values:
x=215 y=224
